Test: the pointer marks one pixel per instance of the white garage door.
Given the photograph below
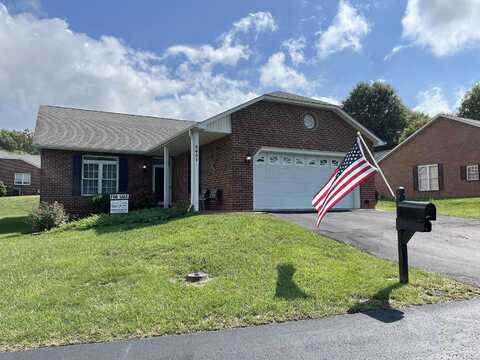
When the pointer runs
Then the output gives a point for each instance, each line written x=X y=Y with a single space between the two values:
x=288 y=181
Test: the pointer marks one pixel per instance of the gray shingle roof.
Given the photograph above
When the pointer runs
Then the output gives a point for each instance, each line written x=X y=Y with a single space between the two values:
x=28 y=158
x=294 y=97
x=89 y=130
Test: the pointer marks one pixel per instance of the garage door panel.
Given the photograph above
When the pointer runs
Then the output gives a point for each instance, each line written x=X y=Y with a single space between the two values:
x=291 y=187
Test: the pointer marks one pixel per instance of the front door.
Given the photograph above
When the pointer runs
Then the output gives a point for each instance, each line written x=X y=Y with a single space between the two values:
x=158 y=182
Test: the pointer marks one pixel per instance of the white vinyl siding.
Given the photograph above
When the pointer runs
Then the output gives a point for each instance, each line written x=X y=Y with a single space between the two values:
x=99 y=175
x=472 y=173
x=22 y=179
x=428 y=177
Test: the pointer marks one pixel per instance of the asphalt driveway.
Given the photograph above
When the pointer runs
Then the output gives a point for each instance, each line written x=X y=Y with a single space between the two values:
x=452 y=248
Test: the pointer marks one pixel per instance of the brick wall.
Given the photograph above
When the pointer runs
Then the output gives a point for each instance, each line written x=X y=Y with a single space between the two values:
x=8 y=168
x=56 y=180
x=446 y=142
x=180 y=177
x=274 y=125
x=216 y=172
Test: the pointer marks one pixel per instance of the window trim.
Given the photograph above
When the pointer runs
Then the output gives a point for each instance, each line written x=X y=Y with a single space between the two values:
x=95 y=159
x=477 y=170
x=23 y=182
x=428 y=166
x=311 y=116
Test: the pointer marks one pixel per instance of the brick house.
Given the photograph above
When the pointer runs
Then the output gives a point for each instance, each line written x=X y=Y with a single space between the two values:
x=440 y=160
x=20 y=173
x=270 y=153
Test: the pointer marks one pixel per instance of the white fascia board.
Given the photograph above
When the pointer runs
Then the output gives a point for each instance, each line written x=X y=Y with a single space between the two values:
x=301 y=151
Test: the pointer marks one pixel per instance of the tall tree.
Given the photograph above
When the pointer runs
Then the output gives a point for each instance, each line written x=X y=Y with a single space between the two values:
x=415 y=120
x=17 y=141
x=377 y=106
x=470 y=107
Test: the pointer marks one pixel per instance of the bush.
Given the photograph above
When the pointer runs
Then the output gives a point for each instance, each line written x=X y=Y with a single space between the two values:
x=100 y=204
x=3 y=189
x=181 y=206
x=133 y=218
x=142 y=200
x=47 y=216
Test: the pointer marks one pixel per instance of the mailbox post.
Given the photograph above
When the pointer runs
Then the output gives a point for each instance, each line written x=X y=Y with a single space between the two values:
x=412 y=216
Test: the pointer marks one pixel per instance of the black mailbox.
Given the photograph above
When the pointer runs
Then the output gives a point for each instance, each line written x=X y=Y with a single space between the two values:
x=412 y=217
x=415 y=216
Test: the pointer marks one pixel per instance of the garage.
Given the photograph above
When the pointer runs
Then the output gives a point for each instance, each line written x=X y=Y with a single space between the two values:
x=287 y=179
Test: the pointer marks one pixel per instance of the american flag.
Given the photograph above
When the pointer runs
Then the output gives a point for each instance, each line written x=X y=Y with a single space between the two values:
x=353 y=171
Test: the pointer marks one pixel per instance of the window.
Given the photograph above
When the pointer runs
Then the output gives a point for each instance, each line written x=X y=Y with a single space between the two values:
x=99 y=175
x=260 y=159
x=299 y=161
x=287 y=160
x=274 y=159
x=312 y=162
x=309 y=121
x=23 y=179
x=428 y=177
x=472 y=173
x=335 y=163
x=323 y=162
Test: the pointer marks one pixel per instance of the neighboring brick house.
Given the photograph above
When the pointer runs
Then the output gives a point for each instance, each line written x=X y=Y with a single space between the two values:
x=440 y=160
x=20 y=173
x=270 y=153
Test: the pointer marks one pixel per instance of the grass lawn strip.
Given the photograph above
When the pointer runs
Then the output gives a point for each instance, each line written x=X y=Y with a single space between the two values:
x=99 y=283
x=463 y=207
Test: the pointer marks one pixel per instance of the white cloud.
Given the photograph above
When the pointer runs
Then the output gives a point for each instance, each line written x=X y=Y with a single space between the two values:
x=276 y=73
x=48 y=63
x=347 y=30
x=295 y=48
x=230 y=51
x=432 y=101
x=395 y=51
x=444 y=27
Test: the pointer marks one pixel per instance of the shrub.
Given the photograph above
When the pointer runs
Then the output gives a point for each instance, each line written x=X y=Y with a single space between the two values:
x=133 y=218
x=47 y=216
x=142 y=200
x=181 y=206
x=3 y=189
x=100 y=204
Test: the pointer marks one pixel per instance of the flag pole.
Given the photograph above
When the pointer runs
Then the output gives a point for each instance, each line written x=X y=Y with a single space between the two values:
x=376 y=164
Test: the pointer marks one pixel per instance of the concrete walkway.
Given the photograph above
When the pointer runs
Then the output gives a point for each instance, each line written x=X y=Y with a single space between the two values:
x=448 y=331
x=452 y=248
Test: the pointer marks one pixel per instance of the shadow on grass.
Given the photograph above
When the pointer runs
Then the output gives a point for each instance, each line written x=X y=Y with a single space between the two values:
x=14 y=225
x=286 y=286
x=378 y=306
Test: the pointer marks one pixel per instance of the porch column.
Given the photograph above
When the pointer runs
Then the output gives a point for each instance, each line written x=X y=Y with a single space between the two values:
x=195 y=170
x=166 y=177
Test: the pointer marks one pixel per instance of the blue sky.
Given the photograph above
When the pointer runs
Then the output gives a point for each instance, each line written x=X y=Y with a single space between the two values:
x=192 y=59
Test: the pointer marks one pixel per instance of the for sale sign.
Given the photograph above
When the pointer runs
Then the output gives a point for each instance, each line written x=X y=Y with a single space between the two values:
x=119 y=204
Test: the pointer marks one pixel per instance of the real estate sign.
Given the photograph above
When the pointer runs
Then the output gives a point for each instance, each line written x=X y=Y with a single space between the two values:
x=119 y=204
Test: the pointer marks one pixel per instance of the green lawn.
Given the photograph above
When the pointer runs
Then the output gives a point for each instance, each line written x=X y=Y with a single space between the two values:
x=466 y=207
x=92 y=282
x=13 y=214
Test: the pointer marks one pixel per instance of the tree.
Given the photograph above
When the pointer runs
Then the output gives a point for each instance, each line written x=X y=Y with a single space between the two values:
x=470 y=107
x=415 y=120
x=377 y=106
x=17 y=141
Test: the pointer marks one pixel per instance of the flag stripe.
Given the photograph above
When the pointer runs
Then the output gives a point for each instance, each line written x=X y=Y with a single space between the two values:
x=353 y=170
x=357 y=181
x=326 y=189
x=359 y=164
